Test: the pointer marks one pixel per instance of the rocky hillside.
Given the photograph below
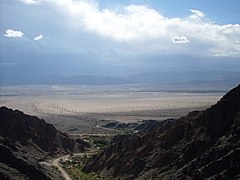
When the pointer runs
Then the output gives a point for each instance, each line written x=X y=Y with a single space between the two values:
x=24 y=141
x=200 y=145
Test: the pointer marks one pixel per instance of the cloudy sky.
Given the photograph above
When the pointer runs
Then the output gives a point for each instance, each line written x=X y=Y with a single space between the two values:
x=102 y=37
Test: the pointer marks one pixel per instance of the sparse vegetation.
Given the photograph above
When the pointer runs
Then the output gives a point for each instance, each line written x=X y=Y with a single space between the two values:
x=125 y=132
x=74 y=165
x=99 y=142
x=74 y=168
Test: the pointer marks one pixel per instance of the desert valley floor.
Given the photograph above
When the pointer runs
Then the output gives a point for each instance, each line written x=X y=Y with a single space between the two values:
x=81 y=109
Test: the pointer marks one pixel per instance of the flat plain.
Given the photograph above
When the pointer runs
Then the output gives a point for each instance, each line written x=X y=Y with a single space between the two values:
x=81 y=109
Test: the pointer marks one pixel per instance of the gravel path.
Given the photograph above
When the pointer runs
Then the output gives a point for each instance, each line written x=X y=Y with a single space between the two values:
x=55 y=163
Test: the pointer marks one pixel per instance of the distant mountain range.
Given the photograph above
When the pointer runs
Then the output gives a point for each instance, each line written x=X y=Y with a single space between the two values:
x=201 y=145
x=154 y=77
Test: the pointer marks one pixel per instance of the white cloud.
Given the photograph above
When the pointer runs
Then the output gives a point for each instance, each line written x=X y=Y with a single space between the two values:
x=180 y=39
x=29 y=2
x=129 y=23
x=196 y=14
x=146 y=25
x=12 y=33
x=37 y=38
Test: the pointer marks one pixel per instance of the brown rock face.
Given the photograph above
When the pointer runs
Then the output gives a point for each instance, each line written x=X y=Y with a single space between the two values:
x=26 y=129
x=200 y=145
x=25 y=140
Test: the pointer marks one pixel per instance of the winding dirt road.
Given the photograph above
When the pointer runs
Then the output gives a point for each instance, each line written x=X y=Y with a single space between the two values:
x=55 y=163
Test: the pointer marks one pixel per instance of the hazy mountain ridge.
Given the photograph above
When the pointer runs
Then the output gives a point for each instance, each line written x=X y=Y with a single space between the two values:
x=200 y=145
x=165 y=79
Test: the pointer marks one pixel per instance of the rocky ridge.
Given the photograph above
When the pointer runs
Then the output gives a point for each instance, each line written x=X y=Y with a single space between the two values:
x=201 y=145
x=24 y=141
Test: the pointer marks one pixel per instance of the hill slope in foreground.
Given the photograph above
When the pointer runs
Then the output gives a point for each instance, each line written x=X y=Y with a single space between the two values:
x=203 y=144
x=24 y=141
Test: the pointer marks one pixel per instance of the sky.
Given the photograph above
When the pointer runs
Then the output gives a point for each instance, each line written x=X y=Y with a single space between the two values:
x=117 y=38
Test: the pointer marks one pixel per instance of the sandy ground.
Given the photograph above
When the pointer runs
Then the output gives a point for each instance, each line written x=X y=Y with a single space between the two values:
x=82 y=109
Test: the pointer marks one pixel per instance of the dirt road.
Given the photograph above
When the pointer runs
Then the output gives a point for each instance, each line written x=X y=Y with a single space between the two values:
x=55 y=163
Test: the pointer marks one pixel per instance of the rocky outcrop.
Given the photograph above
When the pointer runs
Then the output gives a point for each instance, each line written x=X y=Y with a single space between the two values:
x=25 y=140
x=27 y=130
x=203 y=144
x=18 y=166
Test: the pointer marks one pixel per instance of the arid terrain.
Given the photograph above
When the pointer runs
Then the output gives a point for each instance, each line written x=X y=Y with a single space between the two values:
x=81 y=109
x=201 y=145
